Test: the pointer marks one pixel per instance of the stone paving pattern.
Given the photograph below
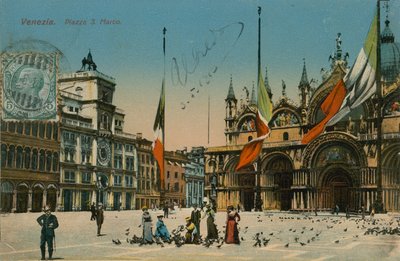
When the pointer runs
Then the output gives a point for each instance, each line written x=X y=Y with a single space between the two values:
x=309 y=237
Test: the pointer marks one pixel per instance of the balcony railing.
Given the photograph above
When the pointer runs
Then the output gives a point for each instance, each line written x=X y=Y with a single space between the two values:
x=77 y=123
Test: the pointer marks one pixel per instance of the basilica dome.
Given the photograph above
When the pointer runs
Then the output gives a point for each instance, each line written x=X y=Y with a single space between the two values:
x=390 y=55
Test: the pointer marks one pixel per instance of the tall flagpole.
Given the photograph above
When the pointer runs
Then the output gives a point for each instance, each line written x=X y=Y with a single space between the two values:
x=162 y=183
x=208 y=120
x=379 y=200
x=258 y=203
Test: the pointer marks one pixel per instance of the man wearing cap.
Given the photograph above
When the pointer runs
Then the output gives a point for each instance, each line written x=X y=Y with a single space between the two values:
x=161 y=229
x=48 y=222
x=99 y=217
x=196 y=217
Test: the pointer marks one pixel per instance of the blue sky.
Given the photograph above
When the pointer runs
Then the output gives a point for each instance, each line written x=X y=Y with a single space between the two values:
x=132 y=50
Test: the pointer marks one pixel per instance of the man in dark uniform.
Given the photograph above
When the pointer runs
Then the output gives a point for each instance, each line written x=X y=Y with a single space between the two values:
x=99 y=218
x=195 y=217
x=48 y=222
x=166 y=209
x=93 y=210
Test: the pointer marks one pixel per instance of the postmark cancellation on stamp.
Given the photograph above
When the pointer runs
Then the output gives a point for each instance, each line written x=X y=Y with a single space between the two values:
x=29 y=86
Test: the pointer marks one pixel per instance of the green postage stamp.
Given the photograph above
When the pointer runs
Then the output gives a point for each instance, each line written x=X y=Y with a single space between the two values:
x=29 y=86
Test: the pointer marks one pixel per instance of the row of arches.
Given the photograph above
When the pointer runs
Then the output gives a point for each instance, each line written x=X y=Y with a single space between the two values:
x=336 y=172
x=15 y=156
x=23 y=197
x=43 y=130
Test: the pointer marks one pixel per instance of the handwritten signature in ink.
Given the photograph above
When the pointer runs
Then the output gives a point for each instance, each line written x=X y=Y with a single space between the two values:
x=181 y=70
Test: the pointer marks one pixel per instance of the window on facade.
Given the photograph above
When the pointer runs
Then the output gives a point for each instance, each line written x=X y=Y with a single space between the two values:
x=41 y=130
x=285 y=136
x=27 y=128
x=118 y=146
x=168 y=186
x=34 y=159
x=147 y=172
x=11 y=127
x=55 y=131
x=167 y=174
x=3 y=155
x=49 y=130
x=85 y=156
x=128 y=181
x=19 y=158
x=152 y=173
x=117 y=180
x=34 y=129
x=27 y=160
x=86 y=177
x=41 y=160
x=176 y=187
x=10 y=158
x=129 y=148
x=104 y=121
x=55 y=162
x=48 y=161
x=3 y=126
x=129 y=163
x=147 y=159
x=118 y=161
x=176 y=175
x=20 y=127
x=69 y=176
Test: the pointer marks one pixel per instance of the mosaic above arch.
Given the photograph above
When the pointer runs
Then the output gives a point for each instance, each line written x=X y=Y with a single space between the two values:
x=284 y=118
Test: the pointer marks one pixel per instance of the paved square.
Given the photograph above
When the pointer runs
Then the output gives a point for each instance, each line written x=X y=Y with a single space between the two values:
x=309 y=237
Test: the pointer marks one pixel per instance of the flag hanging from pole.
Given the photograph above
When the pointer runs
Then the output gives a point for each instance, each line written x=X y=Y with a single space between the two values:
x=158 y=143
x=252 y=149
x=355 y=88
x=360 y=80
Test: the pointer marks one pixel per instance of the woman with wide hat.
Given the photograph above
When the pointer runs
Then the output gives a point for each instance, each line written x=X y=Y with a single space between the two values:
x=147 y=226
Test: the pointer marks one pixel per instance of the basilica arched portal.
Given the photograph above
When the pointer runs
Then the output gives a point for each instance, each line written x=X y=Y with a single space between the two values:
x=276 y=181
x=335 y=188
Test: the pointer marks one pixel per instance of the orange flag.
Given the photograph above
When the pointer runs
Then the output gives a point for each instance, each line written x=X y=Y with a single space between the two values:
x=329 y=107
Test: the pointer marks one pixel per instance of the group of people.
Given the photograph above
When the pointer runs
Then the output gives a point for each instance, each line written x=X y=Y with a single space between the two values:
x=49 y=223
x=192 y=227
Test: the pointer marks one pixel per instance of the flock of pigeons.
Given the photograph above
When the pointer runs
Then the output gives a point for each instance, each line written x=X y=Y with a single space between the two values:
x=300 y=236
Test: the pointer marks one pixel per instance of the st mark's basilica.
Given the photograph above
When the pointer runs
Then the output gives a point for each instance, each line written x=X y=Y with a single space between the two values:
x=339 y=167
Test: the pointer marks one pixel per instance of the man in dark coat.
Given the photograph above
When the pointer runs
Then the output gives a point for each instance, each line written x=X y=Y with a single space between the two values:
x=93 y=210
x=48 y=222
x=99 y=217
x=166 y=209
x=196 y=217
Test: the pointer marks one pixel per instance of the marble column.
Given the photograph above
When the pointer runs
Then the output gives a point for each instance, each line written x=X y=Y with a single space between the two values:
x=14 y=201
x=29 y=200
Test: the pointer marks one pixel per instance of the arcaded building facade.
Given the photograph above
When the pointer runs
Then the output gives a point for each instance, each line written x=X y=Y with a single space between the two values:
x=338 y=167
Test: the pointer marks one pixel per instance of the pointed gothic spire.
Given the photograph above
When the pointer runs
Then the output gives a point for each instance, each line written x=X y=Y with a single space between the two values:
x=304 y=79
x=231 y=93
x=253 y=100
x=266 y=82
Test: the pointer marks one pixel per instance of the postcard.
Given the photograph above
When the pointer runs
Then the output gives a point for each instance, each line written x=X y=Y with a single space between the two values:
x=176 y=130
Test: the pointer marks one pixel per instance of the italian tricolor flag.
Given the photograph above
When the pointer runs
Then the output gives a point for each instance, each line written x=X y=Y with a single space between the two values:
x=252 y=149
x=158 y=143
x=356 y=87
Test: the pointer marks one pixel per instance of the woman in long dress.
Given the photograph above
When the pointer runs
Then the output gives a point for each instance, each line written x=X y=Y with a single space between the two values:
x=232 y=232
x=212 y=232
x=147 y=226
